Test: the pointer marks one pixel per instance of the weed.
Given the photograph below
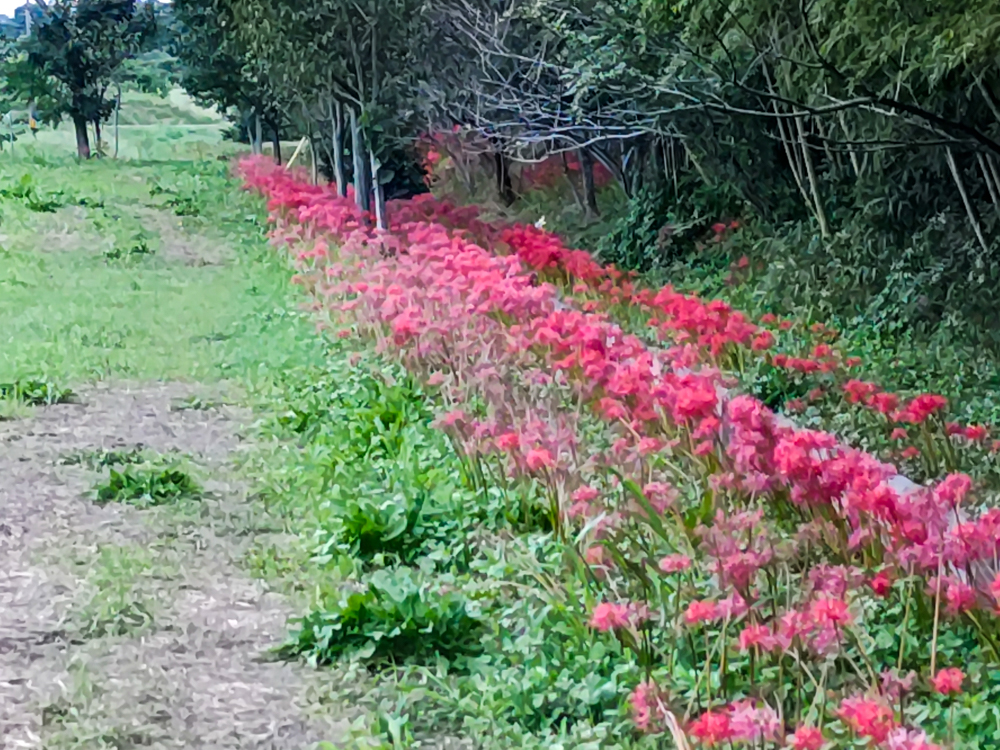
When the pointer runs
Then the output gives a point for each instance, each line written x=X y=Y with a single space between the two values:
x=102 y=458
x=117 y=605
x=36 y=393
x=185 y=206
x=145 y=486
x=194 y=403
x=139 y=248
x=25 y=192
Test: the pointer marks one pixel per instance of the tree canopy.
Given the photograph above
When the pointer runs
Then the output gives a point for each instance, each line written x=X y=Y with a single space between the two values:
x=869 y=120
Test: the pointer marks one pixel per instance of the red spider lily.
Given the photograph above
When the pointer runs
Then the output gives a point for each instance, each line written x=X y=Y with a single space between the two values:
x=976 y=432
x=886 y=403
x=644 y=706
x=701 y=611
x=539 y=458
x=608 y=616
x=806 y=738
x=922 y=407
x=756 y=636
x=867 y=717
x=948 y=681
x=712 y=728
x=675 y=563
x=476 y=309
x=881 y=583
x=859 y=392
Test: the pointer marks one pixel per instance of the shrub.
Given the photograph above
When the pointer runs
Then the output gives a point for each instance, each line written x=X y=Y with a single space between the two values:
x=397 y=615
x=661 y=225
x=146 y=486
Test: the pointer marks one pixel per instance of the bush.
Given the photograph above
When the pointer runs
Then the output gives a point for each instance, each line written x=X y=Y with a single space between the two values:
x=146 y=486
x=662 y=225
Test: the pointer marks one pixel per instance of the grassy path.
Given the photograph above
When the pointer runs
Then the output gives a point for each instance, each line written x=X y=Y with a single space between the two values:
x=146 y=290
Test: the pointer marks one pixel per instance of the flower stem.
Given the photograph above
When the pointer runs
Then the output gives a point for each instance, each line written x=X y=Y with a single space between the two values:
x=937 y=617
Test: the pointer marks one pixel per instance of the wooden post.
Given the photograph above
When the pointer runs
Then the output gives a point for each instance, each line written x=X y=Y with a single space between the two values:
x=118 y=107
x=298 y=150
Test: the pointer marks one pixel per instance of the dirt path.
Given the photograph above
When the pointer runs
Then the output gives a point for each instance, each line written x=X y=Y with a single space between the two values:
x=122 y=628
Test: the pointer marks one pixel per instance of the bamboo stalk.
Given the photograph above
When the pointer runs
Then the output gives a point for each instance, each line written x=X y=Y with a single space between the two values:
x=824 y=227
x=850 y=149
x=989 y=182
x=970 y=212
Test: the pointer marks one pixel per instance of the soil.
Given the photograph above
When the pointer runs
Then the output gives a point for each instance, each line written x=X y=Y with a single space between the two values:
x=184 y=662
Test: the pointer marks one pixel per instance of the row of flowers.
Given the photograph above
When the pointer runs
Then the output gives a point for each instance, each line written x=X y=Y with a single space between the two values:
x=745 y=561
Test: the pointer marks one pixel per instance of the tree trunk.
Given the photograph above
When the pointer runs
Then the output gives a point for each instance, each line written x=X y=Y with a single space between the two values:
x=380 y=217
x=362 y=196
x=258 y=135
x=338 y=149
x=82 y=137
x=505 y=188
x=591 y=210
x=276 y=144
x=568 y=174
x=97 y=136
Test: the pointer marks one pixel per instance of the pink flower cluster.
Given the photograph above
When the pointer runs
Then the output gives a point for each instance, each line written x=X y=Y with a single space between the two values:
x=522 y=364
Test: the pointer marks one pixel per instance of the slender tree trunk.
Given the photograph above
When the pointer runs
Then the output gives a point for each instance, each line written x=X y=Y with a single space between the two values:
x=380 y=217
x=568 y=173
x=276 y=144
x=850 y=149
x=338 y=149
x=82 y=137
x=313 y=161
x=362 y=195
x=97 y=136
x=505 y=189
x=589 y=190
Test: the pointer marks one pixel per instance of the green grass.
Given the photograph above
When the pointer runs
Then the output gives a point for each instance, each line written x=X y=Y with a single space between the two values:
x=119 y=603
x=93 y=291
